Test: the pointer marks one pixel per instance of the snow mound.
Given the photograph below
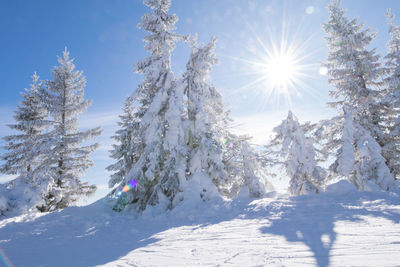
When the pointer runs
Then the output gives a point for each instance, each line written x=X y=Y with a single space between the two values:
x=298 y=231
x=199 y=189
x=18 y=198
x=370 y=186
x=245 y=192
x=343 y=187
x=396 y=185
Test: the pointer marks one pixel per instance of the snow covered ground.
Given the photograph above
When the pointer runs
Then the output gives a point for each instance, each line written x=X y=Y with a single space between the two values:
x=346 y=228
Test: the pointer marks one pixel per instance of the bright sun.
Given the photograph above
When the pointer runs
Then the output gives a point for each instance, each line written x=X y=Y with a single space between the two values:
x=280 y=70
x=277 y=68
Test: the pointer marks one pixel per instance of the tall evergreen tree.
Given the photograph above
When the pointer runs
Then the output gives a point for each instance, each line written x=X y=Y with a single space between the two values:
x=298 y=156
x=356 y=75
x=173 y=173
x=179 y=148
x=391 y=148
x=157 y=115
x=156 y=69
x=124 y=152
x=355 y=72
x=207 y=120
x=213 y=151
x=24 y=153
x=65 y=159
x=23 y=150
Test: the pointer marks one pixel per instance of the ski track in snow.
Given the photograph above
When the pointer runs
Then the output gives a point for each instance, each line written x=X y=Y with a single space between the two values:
x=353 y=229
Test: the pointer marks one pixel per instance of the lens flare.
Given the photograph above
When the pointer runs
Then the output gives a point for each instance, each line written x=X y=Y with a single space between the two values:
x=323 y=71
x=227 y=143
x=4 y=259
x=129 y=186
x=310 y=10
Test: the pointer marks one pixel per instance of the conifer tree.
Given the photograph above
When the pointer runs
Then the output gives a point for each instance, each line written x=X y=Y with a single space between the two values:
x=180 y=148
x=158 y=102
x=345 y=157
x=65 y=159
x=355 y=72
x=124 y=151
x=298 y=156
x=23 y=156
x=23 y=150
x=356 y=75
x=359 y=156
x=391 y=103
x=213 y=151
x=207 y=120
x=173 y=173
x=252 y=176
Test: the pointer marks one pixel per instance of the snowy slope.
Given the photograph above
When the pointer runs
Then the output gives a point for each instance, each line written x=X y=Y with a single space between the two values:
x=337 y=229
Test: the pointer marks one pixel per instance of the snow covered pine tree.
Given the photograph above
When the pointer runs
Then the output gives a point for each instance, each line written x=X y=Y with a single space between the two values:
x=253 y=177
x=354 y=71
x=214 y=153
x=298 y=155
x=64 y=160
x=23 y=156
x=355 y=74
x=156 y=129
x=205 y=122
x=124 y=152
x=391 y=148
x=174 y=147
x=31 y=120
x=359 y=156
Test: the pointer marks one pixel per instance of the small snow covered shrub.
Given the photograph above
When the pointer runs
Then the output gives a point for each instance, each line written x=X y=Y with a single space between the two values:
x=359 y=156
x=297 y=154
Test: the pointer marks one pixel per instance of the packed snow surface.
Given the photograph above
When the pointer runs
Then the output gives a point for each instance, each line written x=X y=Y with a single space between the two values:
x=341 y=227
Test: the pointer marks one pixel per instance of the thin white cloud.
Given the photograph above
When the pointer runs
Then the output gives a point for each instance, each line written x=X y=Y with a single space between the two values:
x=108 y=123
x=259 y=126
x=107 y=120
x=103 y=119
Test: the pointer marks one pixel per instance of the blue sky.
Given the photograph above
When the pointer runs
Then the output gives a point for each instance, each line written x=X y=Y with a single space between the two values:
x=102 y=37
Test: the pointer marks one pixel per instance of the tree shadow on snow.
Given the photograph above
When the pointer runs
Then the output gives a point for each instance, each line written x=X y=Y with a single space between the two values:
x=311 y=219
x=76 y=236
x=95 y=235
x=89 y=235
